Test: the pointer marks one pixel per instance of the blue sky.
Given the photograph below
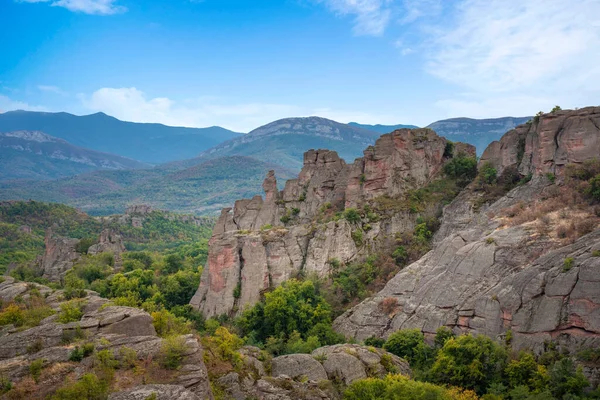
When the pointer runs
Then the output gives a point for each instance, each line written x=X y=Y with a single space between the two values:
x=240 y=63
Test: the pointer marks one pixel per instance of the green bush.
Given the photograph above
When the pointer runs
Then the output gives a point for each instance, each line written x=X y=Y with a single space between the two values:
x=594 y=188
x=70 y=311
x=352 y=215
x=566 y=378
x=461 y=168
x=79 y=353
x=410 y=345
x=293 y=306
x=399 y=387
x=35 y=369
x=471 y=362
x=568 y=264
x=167 y=324
x=89 y=387
x=488 y=174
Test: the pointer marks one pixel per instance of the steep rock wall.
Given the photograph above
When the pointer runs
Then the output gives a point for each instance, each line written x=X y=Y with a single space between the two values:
x=250 y=251
x=548 y=143
x=484 y=276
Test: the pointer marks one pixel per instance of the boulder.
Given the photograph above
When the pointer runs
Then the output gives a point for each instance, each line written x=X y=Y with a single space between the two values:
x=298 y=365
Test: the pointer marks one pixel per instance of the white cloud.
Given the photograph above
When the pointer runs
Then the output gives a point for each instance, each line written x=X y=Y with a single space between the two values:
x=52 y=89
x=98 y=7
x=517 y=57
x=131 y=104
x=512 y=45
x=7 y=104
x=371 y=17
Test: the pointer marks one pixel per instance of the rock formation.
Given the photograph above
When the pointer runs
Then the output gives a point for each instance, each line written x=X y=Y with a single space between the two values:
x=111 y=242
x=59 y=256
x=108 y=328
x=301 y=376
x=548 y=143
x=251 y=250
x=487 y=276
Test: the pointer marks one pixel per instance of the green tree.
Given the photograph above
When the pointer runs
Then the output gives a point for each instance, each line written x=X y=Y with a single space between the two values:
x=566 y=378
x=410 y=345
x=471 y=362
x=293 y=306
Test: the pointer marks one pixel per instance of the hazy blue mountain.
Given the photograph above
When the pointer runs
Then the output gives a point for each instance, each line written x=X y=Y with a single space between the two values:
x=201 y=189
x=153 y=143
x=285 y=141
x=478 y=132
x=381 y=128
x=35 y=155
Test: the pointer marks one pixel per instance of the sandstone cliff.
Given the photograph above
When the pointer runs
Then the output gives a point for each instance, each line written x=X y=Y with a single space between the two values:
x=264 y=242
x=504 y=267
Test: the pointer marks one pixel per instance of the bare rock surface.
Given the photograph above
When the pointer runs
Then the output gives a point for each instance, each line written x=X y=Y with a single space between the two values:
x=59 y=256
x=161 y=392
x=485 y=277
x=262 y=242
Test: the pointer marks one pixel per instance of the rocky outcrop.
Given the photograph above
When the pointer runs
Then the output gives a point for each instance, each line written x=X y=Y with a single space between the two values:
x=262 y=242
x=306 y=376
x=158 y=392
x=59 y=256
x=108 y=328
x=548 y=143
x=109 y=241
x=486 y=276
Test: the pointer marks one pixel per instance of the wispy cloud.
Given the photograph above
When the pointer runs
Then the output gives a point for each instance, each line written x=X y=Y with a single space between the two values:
x=97 y=7
x=531 y=53
x=52 y=89
x=371 y=17
x=8 y=104
x=132 y=104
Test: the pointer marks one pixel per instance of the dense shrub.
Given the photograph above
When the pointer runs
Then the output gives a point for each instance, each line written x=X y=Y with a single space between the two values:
x=410 y=345
x=293 y=306
x=471 y=362
x=172 y=352
x=89 y=387
x=70 y=311
x=461 y=168
x=398 y=387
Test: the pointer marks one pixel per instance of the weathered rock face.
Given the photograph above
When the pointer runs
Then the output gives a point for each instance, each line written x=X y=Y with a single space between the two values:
x=251 y=251
x=110 y=328
x=484 y=276
x=300 y=376
x=549 y=143
x=109 y=241
x=158 y=392
x=59 y=256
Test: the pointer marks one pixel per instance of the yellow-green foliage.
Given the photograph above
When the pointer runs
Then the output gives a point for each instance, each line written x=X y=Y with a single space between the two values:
x=70 y=311
x=27 y=314
x=227 y=343
x=167 y=324
x=399 y=387
x=172 y=352
x=89 y=387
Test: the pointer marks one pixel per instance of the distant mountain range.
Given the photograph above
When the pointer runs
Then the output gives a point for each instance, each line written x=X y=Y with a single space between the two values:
x=478 y=132
x=201 y=189
x=285 y=141
x=209 y=179
x=382 y=128
x=151 y=143
x=35 y=155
